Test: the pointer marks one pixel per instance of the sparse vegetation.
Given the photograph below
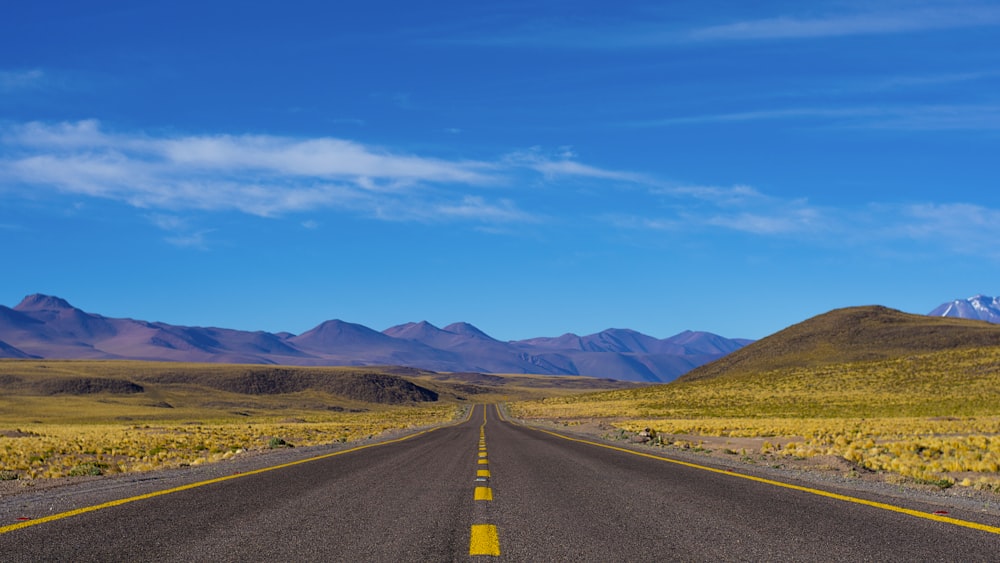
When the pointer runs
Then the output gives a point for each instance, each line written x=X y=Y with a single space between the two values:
x=60 y=418
x=932 y=417
x=77 y=418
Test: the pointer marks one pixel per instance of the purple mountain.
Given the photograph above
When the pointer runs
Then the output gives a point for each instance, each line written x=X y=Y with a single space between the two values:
x=8 y=351
x=43 y=326
x=979 y=307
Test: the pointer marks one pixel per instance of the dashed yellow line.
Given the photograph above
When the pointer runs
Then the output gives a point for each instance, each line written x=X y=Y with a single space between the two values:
x=484 y=540
x=189 y=486
x=818 y=492
x=484 y=493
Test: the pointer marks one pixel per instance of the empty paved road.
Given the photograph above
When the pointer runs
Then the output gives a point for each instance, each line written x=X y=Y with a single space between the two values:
x=489 y=486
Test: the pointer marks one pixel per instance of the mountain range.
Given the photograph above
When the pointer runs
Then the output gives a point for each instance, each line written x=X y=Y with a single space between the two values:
x=978 y=307
x=44 y=326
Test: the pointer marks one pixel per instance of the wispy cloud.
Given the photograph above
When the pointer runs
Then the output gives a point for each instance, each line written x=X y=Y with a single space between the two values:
x=564 y=164
x=740 y=209
x=662 y=32
x=963 y=227
x=906 y=117
x=869 y=23
x=270 y=176
x=14 y=80
x=171 y=176
x=957 y=228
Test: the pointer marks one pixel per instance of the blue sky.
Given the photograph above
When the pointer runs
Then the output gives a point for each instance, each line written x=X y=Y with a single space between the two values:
x=533 y=168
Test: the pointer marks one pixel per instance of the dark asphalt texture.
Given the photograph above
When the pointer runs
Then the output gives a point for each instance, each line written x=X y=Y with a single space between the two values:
x=554 y=500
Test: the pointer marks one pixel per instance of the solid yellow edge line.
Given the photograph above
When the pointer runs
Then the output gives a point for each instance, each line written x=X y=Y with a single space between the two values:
x=119 y=502
x=819 y=492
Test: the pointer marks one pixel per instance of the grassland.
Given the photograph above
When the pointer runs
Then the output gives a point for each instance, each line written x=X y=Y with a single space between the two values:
x=932 y=417
x=67 y=418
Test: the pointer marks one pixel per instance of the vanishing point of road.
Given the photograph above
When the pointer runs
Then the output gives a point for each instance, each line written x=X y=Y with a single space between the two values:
x=486 y=489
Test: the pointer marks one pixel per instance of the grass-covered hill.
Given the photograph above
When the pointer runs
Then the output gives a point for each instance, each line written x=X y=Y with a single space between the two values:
x=854 y=334
x=887 y=391
x=103 y=388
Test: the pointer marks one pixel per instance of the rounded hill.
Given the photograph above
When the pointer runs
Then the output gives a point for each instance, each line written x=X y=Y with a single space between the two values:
x=850 y=335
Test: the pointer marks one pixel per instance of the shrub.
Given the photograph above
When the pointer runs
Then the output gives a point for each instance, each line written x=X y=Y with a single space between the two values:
x=278 y=443
x=90 y=468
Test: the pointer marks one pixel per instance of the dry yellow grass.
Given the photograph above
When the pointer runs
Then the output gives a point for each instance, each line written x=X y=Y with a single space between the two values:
x=182 y=416
x=46 y=450
x=931 y=417
x=60 y=418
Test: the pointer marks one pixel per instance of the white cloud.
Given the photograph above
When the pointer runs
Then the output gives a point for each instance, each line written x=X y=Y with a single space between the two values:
x=790 y=221
x=956 y=227
x=812 y=22
x=14 y=80
x=260 y=175
x=899 y=117
x=963 y=227
x=872 y=23
x=733 y=195
x=503 y=211
x=563 y=164
x=268 y=176
x=189 y=240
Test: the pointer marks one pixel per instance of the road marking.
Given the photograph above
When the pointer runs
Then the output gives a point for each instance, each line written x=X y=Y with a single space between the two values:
x=483 y=462
x=819 y=492
x=483 y=473
x=484 y=493
x=189 y=486
x=484 y=540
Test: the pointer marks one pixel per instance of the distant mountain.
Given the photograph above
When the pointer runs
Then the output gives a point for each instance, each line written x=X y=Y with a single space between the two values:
x=850 y=335
x=979 y=307
x=49 y=327
x=8 y=351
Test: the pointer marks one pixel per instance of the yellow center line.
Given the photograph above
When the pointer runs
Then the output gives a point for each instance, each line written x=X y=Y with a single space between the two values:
x=484 y=540
x=189 y=486
x=482 y=473
x=819 y=492
x=484 y=493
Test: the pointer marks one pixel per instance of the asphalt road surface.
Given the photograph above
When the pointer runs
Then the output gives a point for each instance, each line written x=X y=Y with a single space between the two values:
x=490 y=490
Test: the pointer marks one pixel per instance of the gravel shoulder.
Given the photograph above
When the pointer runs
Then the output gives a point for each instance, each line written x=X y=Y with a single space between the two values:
x=19 y=498
x=40 y=497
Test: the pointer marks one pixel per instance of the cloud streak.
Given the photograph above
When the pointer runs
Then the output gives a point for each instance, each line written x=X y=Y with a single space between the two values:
x=12 y=81
x=653 y=33
x=958 y=228
x=260 y=175
x=911 y=118
x=872 y=23
x=270 y=176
